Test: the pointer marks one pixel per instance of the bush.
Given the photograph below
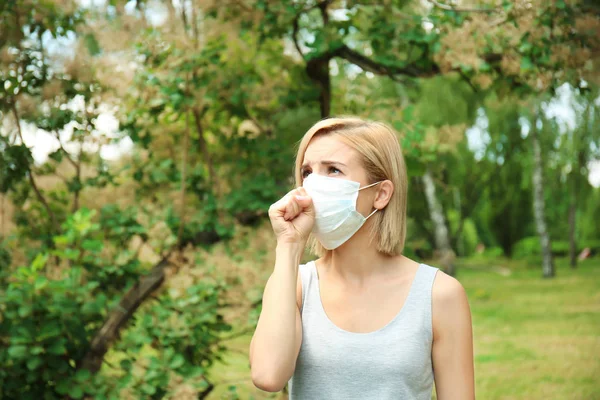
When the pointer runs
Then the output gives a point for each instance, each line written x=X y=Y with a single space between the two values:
x=468 y=239
x=49 y=318
x=530 y=246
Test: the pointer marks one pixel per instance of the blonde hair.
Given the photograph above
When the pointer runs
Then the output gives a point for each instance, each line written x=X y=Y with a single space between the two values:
x=381 y=156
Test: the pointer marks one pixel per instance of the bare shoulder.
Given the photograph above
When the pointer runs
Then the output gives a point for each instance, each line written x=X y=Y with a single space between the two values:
x=447 y=288
x=450 y=305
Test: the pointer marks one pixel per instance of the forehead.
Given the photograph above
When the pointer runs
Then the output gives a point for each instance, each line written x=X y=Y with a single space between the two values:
x=330 y=148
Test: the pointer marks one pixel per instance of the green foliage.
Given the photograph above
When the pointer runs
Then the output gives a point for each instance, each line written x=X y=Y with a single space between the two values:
x=469 y=239
x=14 y=162
x=49 y=319
x=172 y=342
x=215 y=100
x=48 y=323
x=530 y=246
x=5 y=256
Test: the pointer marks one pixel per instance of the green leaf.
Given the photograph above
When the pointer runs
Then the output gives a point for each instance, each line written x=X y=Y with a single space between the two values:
x=92 y=44
x=18 y=351
x=62 y=239
x=177 y=361
x=40 y=283
x=148 y=389
x=48 y=330
x=25 y=310
x=62 y=387
x=76 y=392
x=92 y=245
x=82 y=375
x=56 y=155
x=71 y=254
x=526 y=64
x=39 y=262
x=57 y=348
x=34 y=363
x=125 y=364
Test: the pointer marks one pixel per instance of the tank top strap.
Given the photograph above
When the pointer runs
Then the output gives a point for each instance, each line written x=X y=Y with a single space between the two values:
x=424 y=279
x=307 y=272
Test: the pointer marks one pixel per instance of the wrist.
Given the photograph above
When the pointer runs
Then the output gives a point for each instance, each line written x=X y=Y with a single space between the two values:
x=291 y=251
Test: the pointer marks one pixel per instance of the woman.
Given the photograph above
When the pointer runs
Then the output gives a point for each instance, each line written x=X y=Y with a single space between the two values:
x=362 y=321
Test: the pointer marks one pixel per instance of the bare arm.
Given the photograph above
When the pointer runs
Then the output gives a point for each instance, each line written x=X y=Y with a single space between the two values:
x=452 y=352
x=278 y=336
x=276 y=342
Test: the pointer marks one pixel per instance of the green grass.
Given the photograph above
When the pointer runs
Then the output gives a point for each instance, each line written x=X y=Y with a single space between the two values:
x=534 y=338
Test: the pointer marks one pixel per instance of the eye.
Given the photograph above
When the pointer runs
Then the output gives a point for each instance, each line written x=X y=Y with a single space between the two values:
x=334 y=170
x=305 y=173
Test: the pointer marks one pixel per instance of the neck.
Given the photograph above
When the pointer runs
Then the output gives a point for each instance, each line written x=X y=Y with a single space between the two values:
x=357 y=259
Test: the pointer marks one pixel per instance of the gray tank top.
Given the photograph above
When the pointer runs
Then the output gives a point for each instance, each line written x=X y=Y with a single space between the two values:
x=393 y=362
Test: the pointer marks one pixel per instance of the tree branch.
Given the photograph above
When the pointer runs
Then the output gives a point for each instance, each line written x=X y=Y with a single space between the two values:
x=183 y=175
x=30 y=173
x=67 y=154
x=295 y=22
x=295 y=34
x=466 y=79
x=448 y=7
x=380 y=69
x=119 y=316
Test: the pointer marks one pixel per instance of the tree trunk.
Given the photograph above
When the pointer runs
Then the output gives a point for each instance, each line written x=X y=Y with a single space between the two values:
x=538 y=205
x=442 y=240
x=318 y=70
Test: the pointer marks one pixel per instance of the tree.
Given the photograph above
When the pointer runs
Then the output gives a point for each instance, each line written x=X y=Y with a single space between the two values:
x=538 y=200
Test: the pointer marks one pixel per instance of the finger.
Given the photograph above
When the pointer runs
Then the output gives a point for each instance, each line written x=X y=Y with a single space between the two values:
x=292 y=209
x=279 y=207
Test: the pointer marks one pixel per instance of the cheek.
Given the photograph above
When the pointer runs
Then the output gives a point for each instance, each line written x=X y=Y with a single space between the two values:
x=364 y=204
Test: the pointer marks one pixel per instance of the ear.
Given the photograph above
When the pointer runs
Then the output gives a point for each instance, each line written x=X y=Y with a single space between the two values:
x=384 y=194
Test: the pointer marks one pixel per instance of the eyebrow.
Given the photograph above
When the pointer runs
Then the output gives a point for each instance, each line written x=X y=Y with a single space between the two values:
x=325 y=162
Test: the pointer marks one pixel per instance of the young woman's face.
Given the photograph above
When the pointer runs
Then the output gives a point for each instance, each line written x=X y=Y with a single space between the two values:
x=328 y=156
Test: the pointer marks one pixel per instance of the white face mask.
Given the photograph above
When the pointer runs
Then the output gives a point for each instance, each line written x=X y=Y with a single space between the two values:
x=336 y=218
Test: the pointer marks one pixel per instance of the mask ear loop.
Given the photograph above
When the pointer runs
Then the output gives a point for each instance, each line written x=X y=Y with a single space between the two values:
x=372 y=213
x=368 y=186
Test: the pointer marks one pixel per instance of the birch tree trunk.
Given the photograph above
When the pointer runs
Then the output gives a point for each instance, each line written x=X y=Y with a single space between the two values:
x=442 y=240
x=539 y=206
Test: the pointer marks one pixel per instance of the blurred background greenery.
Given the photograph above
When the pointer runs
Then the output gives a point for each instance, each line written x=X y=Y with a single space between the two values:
x=142 y=142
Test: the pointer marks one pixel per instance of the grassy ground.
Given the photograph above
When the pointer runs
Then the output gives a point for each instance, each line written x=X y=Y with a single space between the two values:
x=534 y=338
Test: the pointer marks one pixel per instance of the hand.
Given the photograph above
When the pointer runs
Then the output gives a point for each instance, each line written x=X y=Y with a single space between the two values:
x=293 y=217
